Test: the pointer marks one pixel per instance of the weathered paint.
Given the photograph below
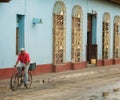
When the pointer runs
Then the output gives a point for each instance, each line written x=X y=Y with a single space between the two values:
x=38 y=38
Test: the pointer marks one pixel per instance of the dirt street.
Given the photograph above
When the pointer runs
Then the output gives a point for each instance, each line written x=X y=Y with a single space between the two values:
x=77 y=88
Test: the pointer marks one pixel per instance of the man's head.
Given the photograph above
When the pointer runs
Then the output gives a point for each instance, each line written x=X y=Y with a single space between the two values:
x=22 y=50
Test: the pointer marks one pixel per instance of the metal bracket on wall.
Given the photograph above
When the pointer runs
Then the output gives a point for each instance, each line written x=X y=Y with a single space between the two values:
x=37 y=21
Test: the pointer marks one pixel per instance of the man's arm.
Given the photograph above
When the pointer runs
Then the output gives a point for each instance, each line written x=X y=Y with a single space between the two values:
x=16 y=63
x=18 y=59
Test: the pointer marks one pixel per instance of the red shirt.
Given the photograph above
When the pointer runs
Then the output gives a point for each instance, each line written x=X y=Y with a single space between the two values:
x=24 y=58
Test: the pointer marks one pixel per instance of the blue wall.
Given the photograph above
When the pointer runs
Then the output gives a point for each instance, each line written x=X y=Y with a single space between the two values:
x=38 y=38
x=8 y=31
x=101 y=6
x=42 y=33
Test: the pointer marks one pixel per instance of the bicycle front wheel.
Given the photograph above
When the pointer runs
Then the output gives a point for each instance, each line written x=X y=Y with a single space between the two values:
x=14 y=82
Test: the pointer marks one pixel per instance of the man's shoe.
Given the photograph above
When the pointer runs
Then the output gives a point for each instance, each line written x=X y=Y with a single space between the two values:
x=26 y=85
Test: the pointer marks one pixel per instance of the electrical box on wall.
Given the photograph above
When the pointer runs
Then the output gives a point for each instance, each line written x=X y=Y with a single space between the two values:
x=37 y=21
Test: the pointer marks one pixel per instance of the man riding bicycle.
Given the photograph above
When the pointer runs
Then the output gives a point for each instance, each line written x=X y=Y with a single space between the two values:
x=24 y=60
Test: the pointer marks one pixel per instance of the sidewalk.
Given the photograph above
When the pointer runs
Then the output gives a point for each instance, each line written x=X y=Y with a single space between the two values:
x=82 y=74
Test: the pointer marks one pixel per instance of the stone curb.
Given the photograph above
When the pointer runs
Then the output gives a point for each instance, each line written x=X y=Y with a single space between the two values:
x=48 y=79
x=63 y=77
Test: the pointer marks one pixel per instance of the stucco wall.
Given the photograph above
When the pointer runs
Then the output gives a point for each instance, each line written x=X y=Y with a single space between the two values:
x=8 y=31
x=101 y=6
x=38 y=38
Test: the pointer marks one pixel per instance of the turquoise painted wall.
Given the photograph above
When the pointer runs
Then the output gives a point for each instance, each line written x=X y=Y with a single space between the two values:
x=8 y=31
x=42 y=33
x=38 y=38
x=102 y=6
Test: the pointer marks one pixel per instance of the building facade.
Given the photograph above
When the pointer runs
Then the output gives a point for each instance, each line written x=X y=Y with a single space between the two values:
x=59 y=35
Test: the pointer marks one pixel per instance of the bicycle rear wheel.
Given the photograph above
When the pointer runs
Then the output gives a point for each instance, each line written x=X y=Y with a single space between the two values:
x=29 y=80
x=14 y=82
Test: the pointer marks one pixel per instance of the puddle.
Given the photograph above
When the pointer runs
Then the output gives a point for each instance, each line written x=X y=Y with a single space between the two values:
x=111 y=95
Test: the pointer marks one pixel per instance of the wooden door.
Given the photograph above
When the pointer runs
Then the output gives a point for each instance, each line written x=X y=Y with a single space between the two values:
x=89 y=36
x=91 y=47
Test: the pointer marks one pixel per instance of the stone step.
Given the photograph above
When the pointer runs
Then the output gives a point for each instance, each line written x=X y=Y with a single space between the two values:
x=91 y=65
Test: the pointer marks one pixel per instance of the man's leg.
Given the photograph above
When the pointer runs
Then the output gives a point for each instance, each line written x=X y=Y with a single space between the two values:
x=19 y=68
x=26 y=73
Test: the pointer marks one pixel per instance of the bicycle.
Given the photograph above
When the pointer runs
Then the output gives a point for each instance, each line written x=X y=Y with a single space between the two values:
x=16 y=80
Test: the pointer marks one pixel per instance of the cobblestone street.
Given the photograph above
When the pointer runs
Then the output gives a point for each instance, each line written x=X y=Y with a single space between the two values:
x=76 y=86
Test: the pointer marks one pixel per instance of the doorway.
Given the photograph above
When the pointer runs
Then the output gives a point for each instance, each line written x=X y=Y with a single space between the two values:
x=19 y=33
x=91 y=39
